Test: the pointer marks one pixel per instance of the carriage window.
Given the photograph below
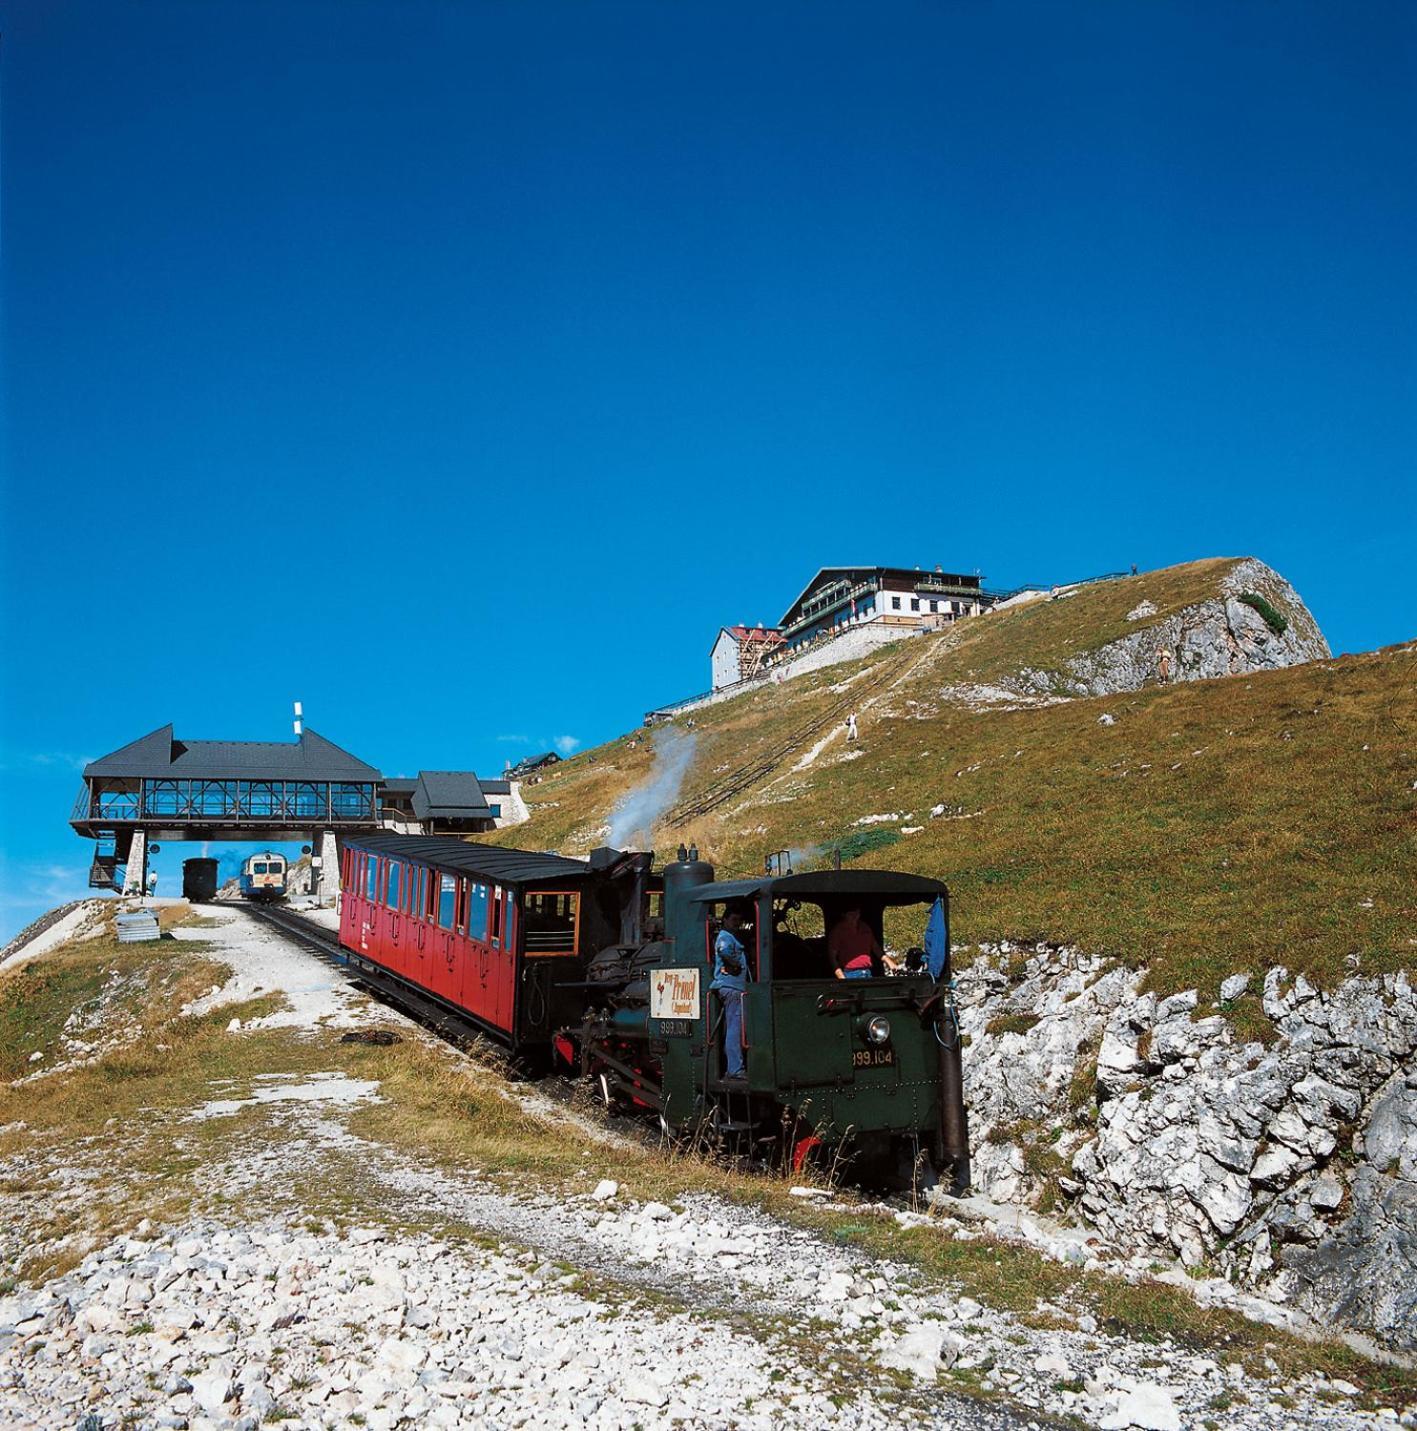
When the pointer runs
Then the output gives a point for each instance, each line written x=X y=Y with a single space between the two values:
x=447 y=894
x=477 y=911
x=496 y=925
x=551 y=921
x=395 y=871
x=461 y=907
x=371 y=879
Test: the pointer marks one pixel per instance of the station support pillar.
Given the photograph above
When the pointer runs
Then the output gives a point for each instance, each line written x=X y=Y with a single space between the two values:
x=327 y=871
x=135 y=871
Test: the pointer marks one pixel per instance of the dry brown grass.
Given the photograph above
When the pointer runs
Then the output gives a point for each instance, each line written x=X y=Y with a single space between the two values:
x=1218 y=825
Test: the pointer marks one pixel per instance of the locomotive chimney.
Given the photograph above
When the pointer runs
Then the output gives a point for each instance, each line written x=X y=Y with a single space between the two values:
x=635 y=887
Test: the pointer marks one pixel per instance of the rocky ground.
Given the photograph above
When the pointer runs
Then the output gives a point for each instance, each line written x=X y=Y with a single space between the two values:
x=319 y=1277
x=1282 y=1161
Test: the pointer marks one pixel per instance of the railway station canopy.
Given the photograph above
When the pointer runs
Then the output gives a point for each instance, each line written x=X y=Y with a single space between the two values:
x=241 y=789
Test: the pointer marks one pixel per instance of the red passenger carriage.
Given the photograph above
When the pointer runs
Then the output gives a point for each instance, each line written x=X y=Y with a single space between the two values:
x=493 y=934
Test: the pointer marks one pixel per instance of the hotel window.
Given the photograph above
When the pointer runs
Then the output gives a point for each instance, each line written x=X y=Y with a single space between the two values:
x=895 y=603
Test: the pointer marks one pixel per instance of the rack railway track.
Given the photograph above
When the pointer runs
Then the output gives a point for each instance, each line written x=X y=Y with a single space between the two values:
x=736 y=781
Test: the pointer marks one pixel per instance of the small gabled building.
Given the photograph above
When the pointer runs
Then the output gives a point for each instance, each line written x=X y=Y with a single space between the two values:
x=740 y=652
x=532 y=764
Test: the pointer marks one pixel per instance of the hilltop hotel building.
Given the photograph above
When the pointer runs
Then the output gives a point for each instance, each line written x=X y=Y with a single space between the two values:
x=839 y=598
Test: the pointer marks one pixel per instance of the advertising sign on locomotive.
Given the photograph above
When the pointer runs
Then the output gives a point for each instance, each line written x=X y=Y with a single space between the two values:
x=606 y=966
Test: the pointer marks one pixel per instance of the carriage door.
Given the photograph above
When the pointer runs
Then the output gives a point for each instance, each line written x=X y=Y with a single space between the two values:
x=418 y=924
x=393 y=900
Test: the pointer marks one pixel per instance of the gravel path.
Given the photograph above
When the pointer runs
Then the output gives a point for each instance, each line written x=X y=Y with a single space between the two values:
x=465 y=1305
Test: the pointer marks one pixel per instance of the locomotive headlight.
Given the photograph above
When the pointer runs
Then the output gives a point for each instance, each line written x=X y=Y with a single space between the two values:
x=878 y=1030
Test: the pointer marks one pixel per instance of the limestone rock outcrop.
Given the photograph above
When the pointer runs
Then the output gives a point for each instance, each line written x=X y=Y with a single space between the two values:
x=1222 y=636
x=1288 y=1165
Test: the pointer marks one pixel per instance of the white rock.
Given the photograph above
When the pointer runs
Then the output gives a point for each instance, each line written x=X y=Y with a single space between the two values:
x=644 y=1390
x=1053 y=1365
x=211 y=1390
x=1234 y=986
x=36 y=1056
x=1106 y=719
x=922 y=1351
x=1274 y=1165
x=657 y=1212
x=605 y=1189
x=1145 y=1405
x=836 y=1287
x=401 y=1355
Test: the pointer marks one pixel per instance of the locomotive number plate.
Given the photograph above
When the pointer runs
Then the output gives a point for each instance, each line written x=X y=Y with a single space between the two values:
x=872 y=1057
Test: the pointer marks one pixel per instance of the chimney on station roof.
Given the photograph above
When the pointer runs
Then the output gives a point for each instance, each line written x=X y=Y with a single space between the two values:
x=299 y=720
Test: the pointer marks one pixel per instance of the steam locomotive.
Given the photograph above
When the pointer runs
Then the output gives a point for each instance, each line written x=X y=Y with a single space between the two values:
x=603 y=967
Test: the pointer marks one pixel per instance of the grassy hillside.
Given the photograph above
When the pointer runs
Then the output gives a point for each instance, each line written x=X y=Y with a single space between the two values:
x=1215 y=826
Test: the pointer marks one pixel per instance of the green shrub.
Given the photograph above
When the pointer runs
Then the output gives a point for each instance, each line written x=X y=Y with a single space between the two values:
x=862 y=842
x=1277 y=623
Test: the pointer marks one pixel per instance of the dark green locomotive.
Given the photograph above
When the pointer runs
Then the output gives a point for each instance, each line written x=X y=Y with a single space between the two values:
x=867 y=1067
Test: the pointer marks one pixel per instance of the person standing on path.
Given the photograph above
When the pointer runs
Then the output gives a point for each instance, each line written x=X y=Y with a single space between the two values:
x=851 y=726
x=730 y=982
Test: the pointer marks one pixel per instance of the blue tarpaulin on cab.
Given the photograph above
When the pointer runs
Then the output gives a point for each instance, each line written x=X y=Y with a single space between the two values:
x=937 y=943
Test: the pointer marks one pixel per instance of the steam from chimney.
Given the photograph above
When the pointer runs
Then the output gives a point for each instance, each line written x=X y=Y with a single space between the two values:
x=633 y=819
x=299 y=715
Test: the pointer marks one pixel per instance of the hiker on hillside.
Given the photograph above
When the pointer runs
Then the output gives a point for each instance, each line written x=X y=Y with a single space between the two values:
x=851 y=726
x=1165 y=664
x=730 y=982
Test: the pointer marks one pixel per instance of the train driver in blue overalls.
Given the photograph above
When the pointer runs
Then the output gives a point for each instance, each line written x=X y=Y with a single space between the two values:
x=730 y=980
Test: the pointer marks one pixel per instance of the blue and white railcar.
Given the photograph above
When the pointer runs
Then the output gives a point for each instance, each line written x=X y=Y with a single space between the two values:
x=263 y=876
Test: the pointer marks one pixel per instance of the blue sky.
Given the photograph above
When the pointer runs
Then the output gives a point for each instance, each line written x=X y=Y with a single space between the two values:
x=458 y=369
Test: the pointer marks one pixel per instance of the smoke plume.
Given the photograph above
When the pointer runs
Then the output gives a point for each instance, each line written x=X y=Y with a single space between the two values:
x=633 y=819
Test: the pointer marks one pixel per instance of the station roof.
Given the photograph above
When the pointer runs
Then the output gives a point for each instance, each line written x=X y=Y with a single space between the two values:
x=161 y=756
x=491 y=862
x=449 y=795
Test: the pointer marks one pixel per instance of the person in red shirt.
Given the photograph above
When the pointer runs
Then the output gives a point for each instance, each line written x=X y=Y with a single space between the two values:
x=852 y=946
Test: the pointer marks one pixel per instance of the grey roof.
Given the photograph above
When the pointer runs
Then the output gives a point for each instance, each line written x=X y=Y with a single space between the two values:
x=489 y=861
x=400 y=786
x=449 y=795
x=531 y=762
x=495 y=787
x=161 y=756
x=890 y=886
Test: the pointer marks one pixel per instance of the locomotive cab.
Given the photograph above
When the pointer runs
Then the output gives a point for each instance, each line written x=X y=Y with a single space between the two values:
x=872 y=1061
